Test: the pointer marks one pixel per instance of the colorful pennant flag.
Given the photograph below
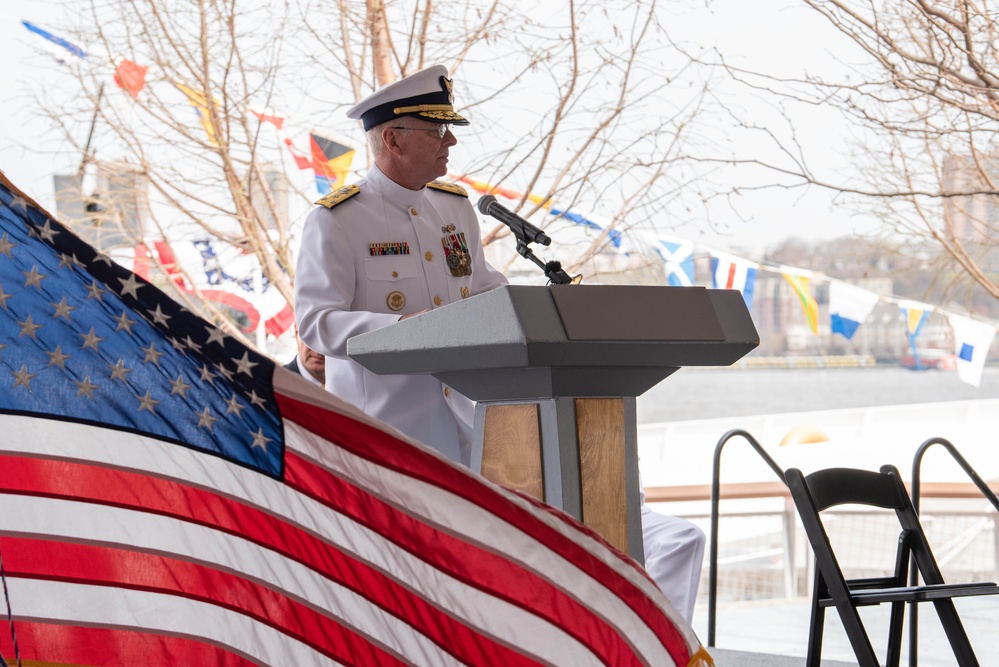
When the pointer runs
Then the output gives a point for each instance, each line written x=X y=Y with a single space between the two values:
x=915 y=315
x=169 y=493
x=55 y=39
x=268 y=116
x=678 y=260
x=489 y=189
x=614 y=235
x=972 y=340
x=800 y=280
x=130 y=76
x=730 y=272
x=485 y=188
x=200 y=103
x=849 y=306
x=302 y=161
x=330 y=161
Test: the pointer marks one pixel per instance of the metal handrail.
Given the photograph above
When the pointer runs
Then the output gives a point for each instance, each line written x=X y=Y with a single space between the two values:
x=917 y=462
x=715 y=501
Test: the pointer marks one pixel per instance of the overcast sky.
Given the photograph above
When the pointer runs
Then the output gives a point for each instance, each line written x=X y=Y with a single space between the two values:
x=778 y=36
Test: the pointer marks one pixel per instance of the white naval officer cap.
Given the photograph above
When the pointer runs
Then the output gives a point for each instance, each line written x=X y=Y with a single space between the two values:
x=426 y=94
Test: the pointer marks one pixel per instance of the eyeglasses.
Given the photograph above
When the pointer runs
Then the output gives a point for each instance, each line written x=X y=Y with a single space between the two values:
x=441 y=129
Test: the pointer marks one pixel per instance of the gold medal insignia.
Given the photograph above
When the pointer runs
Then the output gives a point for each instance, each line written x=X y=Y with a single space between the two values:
x=396 y=301
x=449 y=87
x=456 y=254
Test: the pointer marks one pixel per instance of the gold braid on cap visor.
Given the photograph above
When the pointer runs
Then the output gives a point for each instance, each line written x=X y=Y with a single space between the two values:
x=423 y=107
x=442 y=115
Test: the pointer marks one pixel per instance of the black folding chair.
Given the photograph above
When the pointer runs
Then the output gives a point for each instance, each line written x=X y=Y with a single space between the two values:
x=838 y=486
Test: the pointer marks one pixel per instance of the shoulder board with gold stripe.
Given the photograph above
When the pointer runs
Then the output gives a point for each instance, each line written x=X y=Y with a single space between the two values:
x=450 y=188
x=338 y=196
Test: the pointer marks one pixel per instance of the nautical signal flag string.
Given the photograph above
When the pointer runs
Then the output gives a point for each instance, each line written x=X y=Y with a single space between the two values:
x=331 y=162
x=329 y=159
x=129 y=76
x=849 y=305
x=169 y=493
x=487 y=188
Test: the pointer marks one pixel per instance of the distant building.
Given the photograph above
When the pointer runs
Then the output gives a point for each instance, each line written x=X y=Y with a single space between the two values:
x=70 y=205
x=114 y=214
x=974 y=219
x=272 y=209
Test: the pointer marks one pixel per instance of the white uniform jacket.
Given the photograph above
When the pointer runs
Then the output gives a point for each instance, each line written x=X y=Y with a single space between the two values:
x=375 y=256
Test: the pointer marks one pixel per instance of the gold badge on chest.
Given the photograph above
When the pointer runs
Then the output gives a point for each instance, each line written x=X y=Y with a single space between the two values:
x=396 y=301
x=459 y=261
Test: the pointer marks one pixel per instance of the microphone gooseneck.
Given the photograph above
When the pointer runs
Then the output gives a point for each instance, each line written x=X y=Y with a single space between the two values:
x=525 y=233
x=521 y=228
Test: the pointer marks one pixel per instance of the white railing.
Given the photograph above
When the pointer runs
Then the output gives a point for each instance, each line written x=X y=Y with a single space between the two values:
x=759 y=560
x=765 y=556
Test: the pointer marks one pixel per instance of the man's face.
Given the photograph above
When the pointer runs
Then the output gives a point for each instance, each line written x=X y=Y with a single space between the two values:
x=313 y=362
x=424 y=150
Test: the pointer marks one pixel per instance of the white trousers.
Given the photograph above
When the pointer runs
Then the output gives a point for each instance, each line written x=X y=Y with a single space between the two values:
x=674 y=551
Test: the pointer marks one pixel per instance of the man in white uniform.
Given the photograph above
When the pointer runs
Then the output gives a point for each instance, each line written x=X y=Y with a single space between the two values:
x=390 y=246
x=398 y=243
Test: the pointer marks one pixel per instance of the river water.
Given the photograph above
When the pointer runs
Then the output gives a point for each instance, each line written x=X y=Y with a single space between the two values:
x=708 y=393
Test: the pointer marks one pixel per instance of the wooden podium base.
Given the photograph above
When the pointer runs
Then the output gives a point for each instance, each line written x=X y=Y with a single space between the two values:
x=590 y=482
x=574 y=357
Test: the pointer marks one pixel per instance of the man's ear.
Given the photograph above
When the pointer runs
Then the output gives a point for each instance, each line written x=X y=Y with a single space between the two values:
x=390 y=141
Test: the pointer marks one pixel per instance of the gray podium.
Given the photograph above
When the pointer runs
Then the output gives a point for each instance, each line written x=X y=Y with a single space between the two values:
x=556 y=371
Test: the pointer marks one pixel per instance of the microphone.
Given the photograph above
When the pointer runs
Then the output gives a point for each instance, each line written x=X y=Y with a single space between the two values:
x=522 y=229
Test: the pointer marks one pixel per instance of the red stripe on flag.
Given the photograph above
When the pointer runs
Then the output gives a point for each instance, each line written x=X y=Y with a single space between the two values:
x=379 y=447
x=101 y=647
x=730 y=280
x=87 y=564
x=494 y=574
x=61 y=479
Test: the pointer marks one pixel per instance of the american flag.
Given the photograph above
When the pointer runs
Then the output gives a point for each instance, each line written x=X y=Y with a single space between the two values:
x=169 y=496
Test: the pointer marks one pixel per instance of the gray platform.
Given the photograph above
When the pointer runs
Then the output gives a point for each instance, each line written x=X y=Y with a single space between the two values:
x=729 y=658
x=775 y=633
